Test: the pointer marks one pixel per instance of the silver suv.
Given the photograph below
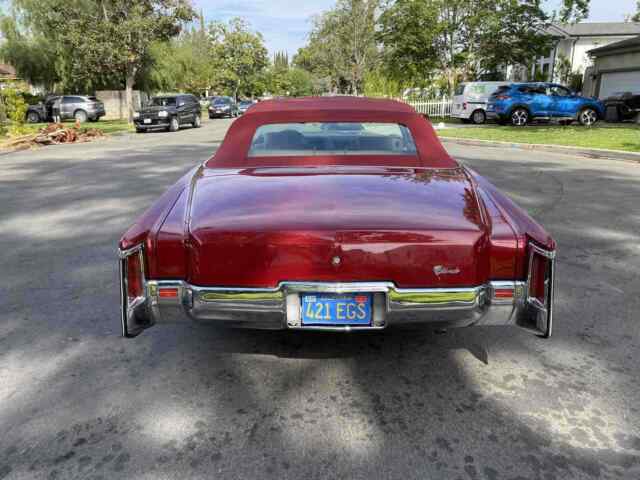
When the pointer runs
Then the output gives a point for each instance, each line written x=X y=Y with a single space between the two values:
x=72 y=107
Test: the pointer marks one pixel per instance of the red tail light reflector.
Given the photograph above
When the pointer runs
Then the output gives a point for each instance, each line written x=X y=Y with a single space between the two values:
x=502 y=97
x=503 y=293
x=168 y=292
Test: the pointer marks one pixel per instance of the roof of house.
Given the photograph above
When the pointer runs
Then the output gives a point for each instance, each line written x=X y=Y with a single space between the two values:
x=614 y=47
x=6 y=69
x=306 y=104
x=595 y=29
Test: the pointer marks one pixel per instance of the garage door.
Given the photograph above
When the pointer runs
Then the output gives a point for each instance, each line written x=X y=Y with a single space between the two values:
x=619 y=82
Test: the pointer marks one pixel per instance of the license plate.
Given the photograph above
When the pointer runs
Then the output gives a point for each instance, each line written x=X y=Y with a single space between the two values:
x=147 y=120
x=336 y=309
x=490 y=108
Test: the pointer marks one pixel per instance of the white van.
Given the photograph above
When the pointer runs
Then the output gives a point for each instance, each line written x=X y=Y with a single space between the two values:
x=470 y=100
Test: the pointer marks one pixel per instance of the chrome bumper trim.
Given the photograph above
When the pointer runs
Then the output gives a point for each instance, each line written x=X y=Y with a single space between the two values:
x=495 y=303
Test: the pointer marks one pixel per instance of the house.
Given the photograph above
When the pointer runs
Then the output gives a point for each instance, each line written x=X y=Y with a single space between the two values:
x=571 y=44
x=7 y=74
x=10 y=79
x=616 y=68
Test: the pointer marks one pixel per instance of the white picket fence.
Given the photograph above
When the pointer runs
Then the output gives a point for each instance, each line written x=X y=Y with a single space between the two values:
x=434 y=107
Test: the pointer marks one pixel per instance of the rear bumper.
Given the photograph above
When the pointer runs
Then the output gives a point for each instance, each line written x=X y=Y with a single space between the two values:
x=495 y=303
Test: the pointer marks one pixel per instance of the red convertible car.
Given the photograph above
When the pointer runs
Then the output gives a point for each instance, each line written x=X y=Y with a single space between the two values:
x=335 y=214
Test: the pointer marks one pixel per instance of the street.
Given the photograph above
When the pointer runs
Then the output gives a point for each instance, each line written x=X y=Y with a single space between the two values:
x=187 y=402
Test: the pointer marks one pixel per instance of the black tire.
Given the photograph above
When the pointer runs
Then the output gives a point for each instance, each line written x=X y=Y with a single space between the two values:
x=80 y=115
x=197 y=121
x=519 y=117
x=174 y=124
x=33 y=117
x=478 y=117
x=587 y=117
x=141 y=130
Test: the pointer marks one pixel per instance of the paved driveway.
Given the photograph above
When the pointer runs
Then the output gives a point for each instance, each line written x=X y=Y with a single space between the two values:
x=78 y=401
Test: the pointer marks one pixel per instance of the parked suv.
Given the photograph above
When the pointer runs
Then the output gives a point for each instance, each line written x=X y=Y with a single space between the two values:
x=78 y=107
x=520 y=103
x=223 y=107
x=168 y=112
x=470 y=100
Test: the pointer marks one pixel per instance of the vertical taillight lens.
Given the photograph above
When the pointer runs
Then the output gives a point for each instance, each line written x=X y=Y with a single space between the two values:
x=539 y=277
x=134 y=276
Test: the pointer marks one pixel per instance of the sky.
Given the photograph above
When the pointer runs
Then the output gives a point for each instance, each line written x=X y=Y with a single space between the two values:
x=285 y=24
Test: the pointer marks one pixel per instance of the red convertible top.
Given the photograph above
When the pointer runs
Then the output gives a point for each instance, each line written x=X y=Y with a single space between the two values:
x=233 y=153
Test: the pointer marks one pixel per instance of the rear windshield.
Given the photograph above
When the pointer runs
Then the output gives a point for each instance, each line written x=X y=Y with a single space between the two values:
x=163 y=101
x=460 y=89
x=331 y=138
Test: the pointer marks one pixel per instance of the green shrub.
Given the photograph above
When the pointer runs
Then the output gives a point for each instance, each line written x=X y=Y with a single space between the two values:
x=16 y=109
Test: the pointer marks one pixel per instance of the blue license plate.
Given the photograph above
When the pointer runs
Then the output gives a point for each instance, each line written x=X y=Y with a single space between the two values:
x=336 y=309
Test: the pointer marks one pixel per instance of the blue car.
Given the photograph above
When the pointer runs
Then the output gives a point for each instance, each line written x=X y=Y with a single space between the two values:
x=520 y=103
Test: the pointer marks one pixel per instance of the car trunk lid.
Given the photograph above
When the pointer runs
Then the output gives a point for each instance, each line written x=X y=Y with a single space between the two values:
x=260 y=227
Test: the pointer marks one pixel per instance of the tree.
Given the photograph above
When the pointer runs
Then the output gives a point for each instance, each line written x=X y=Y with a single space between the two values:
x=573 y=11
x=33 y=56
x=409 y=40
x=342 y=45
x=460 y=38
x=98 y=42
x=281 y=61
x=563 y=69
x=241 y=54
x=185 y=63
x=636 y=16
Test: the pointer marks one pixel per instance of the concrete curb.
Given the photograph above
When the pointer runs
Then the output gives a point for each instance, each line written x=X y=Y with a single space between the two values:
x=585 y=152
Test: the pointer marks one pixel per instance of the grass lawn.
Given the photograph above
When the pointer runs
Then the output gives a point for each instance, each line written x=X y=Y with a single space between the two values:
x=107 y=126
x=609 y=136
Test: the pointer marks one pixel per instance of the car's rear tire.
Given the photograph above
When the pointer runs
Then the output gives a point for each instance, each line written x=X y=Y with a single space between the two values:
x=141 y=130
x=33 y=117
x=587 y=117
x=519 y=117
x=197 y=121
x=80 y=116
x=478 y=117
x=174 y=124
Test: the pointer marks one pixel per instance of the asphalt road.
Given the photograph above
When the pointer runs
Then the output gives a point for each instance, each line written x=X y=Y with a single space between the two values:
x=78 y=401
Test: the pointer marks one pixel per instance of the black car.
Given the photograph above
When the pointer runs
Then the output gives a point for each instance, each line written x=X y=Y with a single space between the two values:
x=223 y=107
x=622 y=106
x=168 y=112
x=72 y=107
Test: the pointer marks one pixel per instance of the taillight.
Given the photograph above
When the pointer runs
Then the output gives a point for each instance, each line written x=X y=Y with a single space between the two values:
x=539 y=305
x=464 y=106
x=134 y=276
x=539 y=277
x=502 y=97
